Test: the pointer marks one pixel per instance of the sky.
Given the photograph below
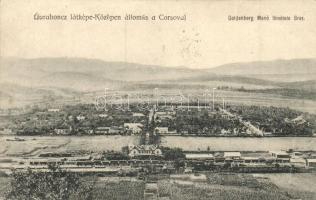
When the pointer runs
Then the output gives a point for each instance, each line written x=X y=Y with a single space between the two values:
x=205 y=39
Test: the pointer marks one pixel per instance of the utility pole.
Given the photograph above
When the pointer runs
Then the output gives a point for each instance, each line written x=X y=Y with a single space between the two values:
x=213 y=98
x=223 y=103
x=105 y=101
x=156 y=97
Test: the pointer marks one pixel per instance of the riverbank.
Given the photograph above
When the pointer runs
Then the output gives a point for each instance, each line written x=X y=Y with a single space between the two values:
x=108 y=143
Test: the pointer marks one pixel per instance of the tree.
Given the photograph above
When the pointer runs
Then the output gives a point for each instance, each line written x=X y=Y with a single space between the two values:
x=56 y=184
x=173 y=153
x=116 y=156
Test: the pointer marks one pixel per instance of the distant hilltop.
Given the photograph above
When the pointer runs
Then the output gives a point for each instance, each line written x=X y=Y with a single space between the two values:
x=22 y=79
x=140 y=72
x=93 y=74
x=295 y=66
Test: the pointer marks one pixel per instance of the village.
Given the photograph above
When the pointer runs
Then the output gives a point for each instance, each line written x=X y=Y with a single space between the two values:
x=152 y=159
x=219 y=120
x=149 y=155
x=149 y=166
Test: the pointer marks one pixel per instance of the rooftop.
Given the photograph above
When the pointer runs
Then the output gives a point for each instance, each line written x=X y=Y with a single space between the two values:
x=198 y=156
x=232 y=154
x=144 y=147
x=279 y=152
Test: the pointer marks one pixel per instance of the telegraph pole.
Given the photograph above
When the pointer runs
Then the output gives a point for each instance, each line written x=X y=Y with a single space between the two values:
x=213 y=98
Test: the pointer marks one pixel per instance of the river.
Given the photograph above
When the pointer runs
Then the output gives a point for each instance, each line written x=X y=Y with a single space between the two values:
x=240 y=144
x=33 y=145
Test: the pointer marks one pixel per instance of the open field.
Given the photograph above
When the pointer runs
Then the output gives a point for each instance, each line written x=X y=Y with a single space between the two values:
x=195 y=91
x=4 y=186
x=231 y=97
x=119 y=189
x=220 y=187
x=213 y=186
x=300 y=181
x=297 y=185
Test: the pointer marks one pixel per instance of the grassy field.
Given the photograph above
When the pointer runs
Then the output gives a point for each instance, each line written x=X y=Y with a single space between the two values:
x=234 y=97
x=120 y=190
x=296 y=185
x=218 y=186
x=226 y=187
x=4 y=186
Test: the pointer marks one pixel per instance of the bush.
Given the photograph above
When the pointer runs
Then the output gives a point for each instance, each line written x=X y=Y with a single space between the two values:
x=53 y=185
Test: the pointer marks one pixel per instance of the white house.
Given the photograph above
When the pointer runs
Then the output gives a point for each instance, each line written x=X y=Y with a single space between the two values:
x=138 y=115
x=62 y=131
x=199 y=156
x=311 y=162
x=53 y=110
x=144 y=150
x=280 y=154
x=103 y=115
x=232 y=155
x=299 y=120
x=136 y=128
x=80 y=117
x=6 y=131
x=161 y=130
x=298 y=162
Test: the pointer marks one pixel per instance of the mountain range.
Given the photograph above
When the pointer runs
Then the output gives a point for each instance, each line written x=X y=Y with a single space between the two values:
x=67 y=76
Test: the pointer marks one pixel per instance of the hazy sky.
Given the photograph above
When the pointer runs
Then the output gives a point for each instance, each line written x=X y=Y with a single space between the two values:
x=205 y=39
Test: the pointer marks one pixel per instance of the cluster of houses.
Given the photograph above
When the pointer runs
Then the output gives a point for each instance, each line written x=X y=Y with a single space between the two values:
x=12 y=111
x=167 y=121
x=130 y=128
x=164 y=115
x=56 y=121
x=284 y=158
x=133 y=128
x=163 y=130
x=127 y=128
x=296 y=159
x=6 y=131
x=144 y=150
x=152 y=157
x=160 y=117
